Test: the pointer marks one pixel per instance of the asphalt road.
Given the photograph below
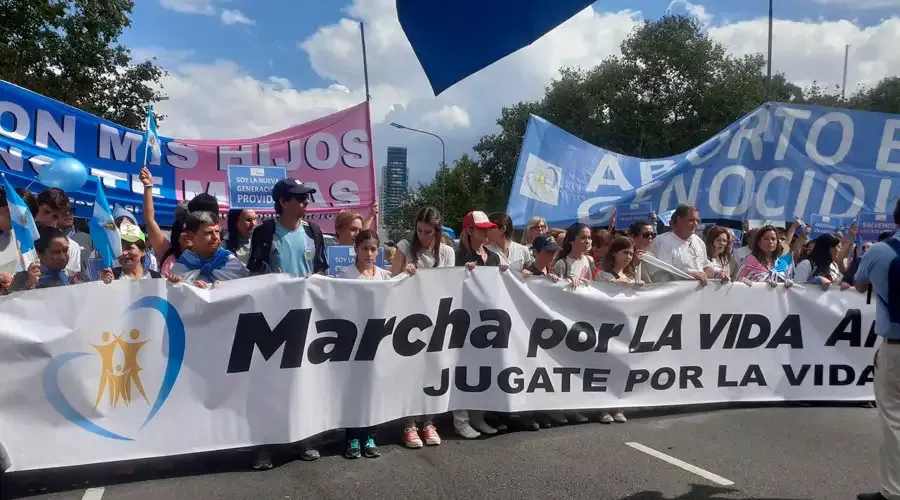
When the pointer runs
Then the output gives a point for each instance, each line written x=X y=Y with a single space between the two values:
x=772 y=453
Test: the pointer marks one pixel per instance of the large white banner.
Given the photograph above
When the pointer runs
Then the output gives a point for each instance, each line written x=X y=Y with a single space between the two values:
x=95 y=373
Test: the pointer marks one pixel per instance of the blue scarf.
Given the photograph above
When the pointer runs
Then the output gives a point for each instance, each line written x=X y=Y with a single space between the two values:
x=222 y=265
x=50 y=277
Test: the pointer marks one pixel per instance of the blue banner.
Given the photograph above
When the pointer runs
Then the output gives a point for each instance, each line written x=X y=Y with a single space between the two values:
x=821 y=224
x=35 y=130
x=627 y=215
x=871 y=225
x=778 y=162
x=251 y=187
x=341 y=256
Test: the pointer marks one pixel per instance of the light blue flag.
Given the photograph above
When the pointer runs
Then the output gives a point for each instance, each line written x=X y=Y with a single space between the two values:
x=104 y=232
x=151 y=138
x=23 y=226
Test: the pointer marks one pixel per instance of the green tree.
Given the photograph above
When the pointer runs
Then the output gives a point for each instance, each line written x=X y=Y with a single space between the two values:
x=455 y=191
x=69 y=50
x=672 y=88
x=882 y=98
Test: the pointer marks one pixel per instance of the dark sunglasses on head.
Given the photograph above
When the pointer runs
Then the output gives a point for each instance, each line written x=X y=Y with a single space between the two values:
x=648 y=235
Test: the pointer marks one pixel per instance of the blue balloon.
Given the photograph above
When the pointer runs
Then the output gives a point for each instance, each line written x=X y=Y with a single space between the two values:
x=67 y=174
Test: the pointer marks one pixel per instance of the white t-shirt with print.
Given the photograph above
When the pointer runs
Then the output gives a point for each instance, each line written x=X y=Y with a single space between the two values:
x=426 y=258
x=687 y=255
x=519 y=255
x=351 y=272
x=574 y=268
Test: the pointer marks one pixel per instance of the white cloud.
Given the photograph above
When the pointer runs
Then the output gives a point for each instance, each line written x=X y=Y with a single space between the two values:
x=219 y=100
x=808 y=51
x=229 y=16
x=204 y=7
x=447 y=117
x=695 y=10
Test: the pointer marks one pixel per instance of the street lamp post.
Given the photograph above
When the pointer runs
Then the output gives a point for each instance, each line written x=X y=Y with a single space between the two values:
x=443 y=154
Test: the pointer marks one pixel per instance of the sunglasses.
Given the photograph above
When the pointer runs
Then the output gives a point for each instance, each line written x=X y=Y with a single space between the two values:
x=648 y=235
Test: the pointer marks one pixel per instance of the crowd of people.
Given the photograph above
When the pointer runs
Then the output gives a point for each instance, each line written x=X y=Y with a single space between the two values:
x=196 y=253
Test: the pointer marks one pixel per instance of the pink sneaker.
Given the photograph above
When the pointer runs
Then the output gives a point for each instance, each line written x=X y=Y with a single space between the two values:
x=411 y=438
x=431 y=436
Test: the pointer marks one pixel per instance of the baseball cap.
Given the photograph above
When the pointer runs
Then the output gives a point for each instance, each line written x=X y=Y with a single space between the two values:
x=130 y=233
x=290 y=187
x=544 y=243
x=479 y=220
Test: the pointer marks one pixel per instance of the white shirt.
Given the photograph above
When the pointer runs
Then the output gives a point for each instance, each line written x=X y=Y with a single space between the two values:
x=351 y=272
x=75 y=249
x=426 y=257
x=574 y=268
x=803 y=272
x=9 y=257
x=519 y=255
x=687 y=255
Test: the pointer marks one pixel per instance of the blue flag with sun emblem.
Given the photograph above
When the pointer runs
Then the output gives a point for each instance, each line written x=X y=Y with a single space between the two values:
x=23 y=226
x=104 y=232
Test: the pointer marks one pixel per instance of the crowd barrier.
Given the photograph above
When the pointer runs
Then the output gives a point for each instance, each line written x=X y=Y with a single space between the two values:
x=97 y=373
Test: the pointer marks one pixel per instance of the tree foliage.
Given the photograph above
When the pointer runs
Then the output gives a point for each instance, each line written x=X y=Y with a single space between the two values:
x=68 y=50
x=671 y=89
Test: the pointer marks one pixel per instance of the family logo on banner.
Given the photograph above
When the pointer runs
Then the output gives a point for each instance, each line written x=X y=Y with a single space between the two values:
x=626 y=214
x=341 y=256
x=251 y=187
x=778 y=162
x=871 y=225
x=99 y=378
x=332 y=153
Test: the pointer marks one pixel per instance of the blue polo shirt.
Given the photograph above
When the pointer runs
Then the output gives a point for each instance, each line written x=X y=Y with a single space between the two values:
x=874 y=268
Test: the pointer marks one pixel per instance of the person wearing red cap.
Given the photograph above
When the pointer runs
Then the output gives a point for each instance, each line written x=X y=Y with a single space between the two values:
x=472 y=252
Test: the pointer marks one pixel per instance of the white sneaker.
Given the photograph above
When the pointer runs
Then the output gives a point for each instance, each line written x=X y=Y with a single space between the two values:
x=481 y=426
x=606 y=418
x=465 y=430
x=619 y=417
x=578 y=418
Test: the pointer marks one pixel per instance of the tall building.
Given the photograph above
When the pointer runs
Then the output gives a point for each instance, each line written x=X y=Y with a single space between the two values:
x=394 y=183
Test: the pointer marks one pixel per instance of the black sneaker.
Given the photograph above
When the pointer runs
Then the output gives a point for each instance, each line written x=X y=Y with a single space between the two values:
x=870 y=496
x=262 y=460
x=371 y=450
x=352 y=449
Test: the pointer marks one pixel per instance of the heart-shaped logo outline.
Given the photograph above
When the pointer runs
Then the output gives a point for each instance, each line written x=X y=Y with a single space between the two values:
x=538 y=191
x=175 y=336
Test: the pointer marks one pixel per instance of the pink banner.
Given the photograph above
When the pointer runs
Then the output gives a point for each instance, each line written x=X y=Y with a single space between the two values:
x=333 y=153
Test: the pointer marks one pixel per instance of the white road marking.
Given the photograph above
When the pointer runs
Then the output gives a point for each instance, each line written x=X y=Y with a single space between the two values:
x=93 y=494
x=684 y=465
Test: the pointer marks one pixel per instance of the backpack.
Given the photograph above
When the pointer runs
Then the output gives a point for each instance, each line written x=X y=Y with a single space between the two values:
x=261 y=247
x=893 y=293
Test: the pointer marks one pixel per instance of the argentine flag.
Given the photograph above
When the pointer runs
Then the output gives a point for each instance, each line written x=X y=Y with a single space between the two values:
x=23 y=226
x=104 y=232
x=151 y=138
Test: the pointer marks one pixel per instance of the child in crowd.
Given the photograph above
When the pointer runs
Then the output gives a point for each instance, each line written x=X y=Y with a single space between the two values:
x=620 y=270
x=424 y=248
x=472 y=252
x=617 y=265
x=573 y=264
x=544 y=248
x=52 y=248
x=366 y=247
x=206 y=263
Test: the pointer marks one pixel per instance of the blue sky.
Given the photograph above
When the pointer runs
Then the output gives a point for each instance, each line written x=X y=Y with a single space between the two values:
x=241 y=68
